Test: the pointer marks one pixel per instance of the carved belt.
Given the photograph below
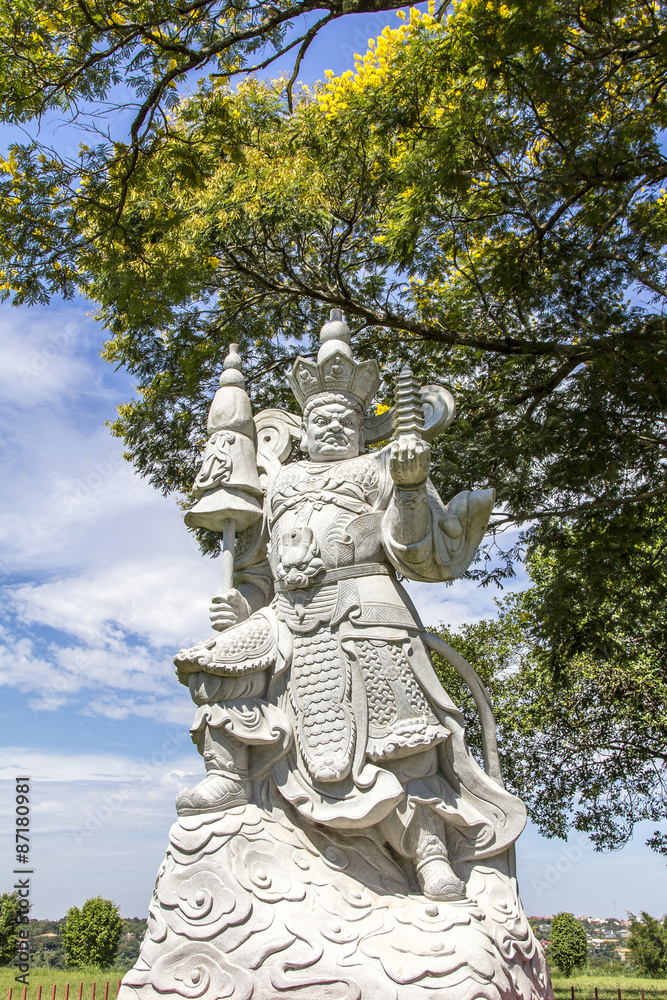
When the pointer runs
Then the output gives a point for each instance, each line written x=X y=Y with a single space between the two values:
x=341 y=573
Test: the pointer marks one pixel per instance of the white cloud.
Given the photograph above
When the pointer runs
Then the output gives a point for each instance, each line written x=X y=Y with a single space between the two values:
x=106 y=562
x=39 y=360
x=67 y=789
x=177 y=709
x=100 y=820
x=162 y=600
x=69 y=768
x=460 y=604
x=117 y=628
x=125 y=681
x=67 y=495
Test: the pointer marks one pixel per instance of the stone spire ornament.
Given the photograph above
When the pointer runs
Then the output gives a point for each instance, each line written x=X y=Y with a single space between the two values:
x=408 y=407
x=227 y=485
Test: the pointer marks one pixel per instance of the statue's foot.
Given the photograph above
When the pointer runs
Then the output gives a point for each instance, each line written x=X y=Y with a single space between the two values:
x=216 y=792
x=438 y=881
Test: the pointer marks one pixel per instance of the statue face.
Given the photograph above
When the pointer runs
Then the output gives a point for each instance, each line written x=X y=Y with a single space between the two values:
x=333 y=432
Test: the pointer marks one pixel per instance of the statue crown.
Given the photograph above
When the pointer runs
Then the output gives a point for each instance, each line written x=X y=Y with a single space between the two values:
x=335 y=369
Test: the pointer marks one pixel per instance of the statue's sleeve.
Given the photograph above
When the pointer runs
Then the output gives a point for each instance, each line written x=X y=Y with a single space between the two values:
x=252 y=572
x=452 y=536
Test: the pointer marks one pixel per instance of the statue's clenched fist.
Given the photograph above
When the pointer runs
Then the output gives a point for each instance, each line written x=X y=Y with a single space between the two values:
x=409 y=461
x=228 y=609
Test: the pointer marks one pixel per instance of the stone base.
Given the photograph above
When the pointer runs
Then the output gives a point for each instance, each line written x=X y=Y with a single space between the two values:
x=249 y=903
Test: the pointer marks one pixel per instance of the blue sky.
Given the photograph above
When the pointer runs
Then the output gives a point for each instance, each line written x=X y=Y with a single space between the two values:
x=101 y=584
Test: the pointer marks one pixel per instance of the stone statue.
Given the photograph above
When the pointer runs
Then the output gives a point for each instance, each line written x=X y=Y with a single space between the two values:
x=343 y=843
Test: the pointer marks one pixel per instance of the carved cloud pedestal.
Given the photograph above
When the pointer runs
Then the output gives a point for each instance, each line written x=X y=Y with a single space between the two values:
x=248 y=905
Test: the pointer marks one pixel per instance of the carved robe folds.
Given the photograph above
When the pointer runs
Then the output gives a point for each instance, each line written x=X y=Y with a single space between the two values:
x=331 y=685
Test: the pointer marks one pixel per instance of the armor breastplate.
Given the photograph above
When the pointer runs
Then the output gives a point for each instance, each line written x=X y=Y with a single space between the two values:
x=335 y=503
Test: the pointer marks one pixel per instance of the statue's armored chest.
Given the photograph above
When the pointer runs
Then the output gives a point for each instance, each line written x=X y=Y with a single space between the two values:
x=305 y=487
x=326 y=510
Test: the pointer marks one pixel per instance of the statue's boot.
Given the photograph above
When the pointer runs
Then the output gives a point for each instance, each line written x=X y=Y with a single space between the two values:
x=227 y=782
x=434 y=872
x=438 y=881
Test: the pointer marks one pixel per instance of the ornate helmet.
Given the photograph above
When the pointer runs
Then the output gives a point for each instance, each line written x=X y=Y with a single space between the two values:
x=335 y=369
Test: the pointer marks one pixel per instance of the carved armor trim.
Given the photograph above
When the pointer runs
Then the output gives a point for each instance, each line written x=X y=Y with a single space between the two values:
x=383 y=614
x=319 y=689
x=400 y=719
x=345 y=573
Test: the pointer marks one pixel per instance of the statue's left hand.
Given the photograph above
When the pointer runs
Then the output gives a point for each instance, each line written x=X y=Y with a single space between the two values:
x=228 y=609
x=409 y=461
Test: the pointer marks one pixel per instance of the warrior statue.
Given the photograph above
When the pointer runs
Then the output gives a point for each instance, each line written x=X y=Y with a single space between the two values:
x=317 y=700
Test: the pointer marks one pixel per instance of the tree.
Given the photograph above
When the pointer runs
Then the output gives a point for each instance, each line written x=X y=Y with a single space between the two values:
x=590 y=729
x=412 y=203
x=568 y=948
x=585 y=747
x=9 y=911
x=91 y=934
x=483 y=196
x=648 y=945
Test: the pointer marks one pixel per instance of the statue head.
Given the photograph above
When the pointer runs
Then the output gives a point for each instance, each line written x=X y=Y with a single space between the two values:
x=332 y=428
x=334 y=393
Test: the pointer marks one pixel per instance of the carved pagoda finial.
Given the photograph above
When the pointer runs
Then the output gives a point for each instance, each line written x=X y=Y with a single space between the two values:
x=408 y=409
x=227 y=485
x=335 y=331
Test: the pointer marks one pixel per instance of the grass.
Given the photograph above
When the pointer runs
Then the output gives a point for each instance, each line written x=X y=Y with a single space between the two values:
x=584 y=987
x=47 y=978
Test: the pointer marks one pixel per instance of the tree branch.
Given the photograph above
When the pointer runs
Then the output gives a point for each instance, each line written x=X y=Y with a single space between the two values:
x=582 y=508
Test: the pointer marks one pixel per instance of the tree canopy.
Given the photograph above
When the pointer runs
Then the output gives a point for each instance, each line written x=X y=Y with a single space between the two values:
x=648 y=945
x=584 y=750
x=9 y=913
x=90 y=62
x=482 y=194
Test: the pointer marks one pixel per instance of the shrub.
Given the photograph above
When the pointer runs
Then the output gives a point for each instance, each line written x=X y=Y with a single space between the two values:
x=91 y=934
x=569 y=947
